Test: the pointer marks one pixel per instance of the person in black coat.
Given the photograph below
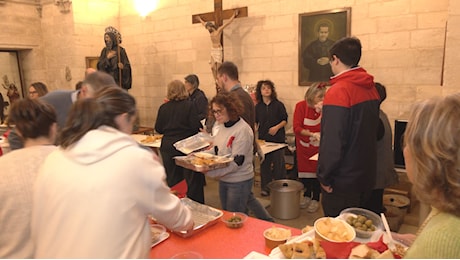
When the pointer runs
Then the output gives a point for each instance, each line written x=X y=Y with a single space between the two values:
x=178 y=119
x=197 y=95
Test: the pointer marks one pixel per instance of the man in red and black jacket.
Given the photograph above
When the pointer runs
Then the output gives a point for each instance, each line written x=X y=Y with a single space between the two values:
x=348 y=149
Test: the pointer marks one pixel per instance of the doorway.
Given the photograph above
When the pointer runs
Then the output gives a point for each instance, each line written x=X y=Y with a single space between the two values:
x=11 y=81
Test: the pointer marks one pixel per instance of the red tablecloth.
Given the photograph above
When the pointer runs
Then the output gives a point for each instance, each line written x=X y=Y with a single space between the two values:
x=219 y=241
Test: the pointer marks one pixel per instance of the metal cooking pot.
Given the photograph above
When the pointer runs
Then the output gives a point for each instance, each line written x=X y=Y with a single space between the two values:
x=285 y=198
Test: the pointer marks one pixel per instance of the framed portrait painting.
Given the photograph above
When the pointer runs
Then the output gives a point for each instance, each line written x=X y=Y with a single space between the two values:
x=318 y=31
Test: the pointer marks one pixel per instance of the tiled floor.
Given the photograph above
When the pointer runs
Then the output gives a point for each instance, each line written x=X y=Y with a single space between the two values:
x=305 y=218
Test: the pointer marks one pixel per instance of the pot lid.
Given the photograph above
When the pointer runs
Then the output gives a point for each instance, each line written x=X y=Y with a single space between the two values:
x=285 y=185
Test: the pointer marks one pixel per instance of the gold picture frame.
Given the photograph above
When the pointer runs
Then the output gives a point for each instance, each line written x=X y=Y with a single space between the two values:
x=317 y=33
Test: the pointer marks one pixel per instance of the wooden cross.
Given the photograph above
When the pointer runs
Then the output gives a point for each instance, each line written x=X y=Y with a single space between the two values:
x=219 y=15
x=217 y=38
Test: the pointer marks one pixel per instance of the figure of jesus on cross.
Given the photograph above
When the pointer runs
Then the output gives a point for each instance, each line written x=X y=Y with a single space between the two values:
x=216 y=38
x=213 y=22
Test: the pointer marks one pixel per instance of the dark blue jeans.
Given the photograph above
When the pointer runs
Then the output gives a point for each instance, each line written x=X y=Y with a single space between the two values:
x=234 y=196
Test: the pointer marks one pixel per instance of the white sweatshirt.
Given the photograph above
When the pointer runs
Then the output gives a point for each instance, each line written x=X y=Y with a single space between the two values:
x=92 y=200
x=235 y=140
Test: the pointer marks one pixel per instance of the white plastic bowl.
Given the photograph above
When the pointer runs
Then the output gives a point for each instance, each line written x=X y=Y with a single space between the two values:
x=376 y=220
x=328 y=228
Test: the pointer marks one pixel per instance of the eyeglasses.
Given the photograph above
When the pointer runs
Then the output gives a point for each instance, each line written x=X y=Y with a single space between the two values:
x=217 y=112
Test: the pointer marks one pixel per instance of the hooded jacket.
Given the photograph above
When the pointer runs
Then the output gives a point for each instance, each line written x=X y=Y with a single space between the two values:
x=348 y=148
x=92 y=199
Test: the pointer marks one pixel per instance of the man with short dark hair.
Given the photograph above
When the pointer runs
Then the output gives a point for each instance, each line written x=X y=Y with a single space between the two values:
x=62 y=100
x=197 y=95
x=227 y=80
x=348 y=149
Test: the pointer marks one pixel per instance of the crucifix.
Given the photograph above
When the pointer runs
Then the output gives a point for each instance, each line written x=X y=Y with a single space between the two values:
x=215 y=29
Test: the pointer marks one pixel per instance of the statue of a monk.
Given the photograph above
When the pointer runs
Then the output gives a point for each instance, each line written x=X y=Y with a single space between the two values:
x=114 y=60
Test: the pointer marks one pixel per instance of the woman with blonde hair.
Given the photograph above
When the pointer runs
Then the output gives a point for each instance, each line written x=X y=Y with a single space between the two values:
x=178 y=119
x=307 y=126
x=432 y=156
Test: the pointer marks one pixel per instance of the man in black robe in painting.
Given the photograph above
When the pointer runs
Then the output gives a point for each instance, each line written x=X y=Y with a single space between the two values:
x=114 y=60
x=316 y=56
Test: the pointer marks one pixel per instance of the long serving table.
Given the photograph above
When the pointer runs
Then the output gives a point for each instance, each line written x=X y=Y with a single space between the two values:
x=264 y=148
x=219 y=241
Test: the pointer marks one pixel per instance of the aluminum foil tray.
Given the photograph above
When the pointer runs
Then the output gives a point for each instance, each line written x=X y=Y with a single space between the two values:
x=199 y=164
x=203 y=216
x=193 y=143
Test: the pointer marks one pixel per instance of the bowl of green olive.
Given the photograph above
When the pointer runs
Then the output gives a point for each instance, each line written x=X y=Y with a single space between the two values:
x=234 y=219
x=365 y=222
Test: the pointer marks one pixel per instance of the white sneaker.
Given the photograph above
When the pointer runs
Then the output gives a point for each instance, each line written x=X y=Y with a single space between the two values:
x=304 y=202
x=313 y=207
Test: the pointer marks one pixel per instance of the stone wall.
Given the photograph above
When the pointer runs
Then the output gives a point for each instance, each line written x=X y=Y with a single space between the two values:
x=403 y=47
x=404 y=42
x=49 y=41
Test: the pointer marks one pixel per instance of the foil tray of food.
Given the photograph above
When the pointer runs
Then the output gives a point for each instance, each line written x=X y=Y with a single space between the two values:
x=193 y=143
x=202 y=162
x=203 y=216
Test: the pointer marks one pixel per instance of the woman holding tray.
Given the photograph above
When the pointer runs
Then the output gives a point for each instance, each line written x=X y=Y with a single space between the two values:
x=235 y=137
